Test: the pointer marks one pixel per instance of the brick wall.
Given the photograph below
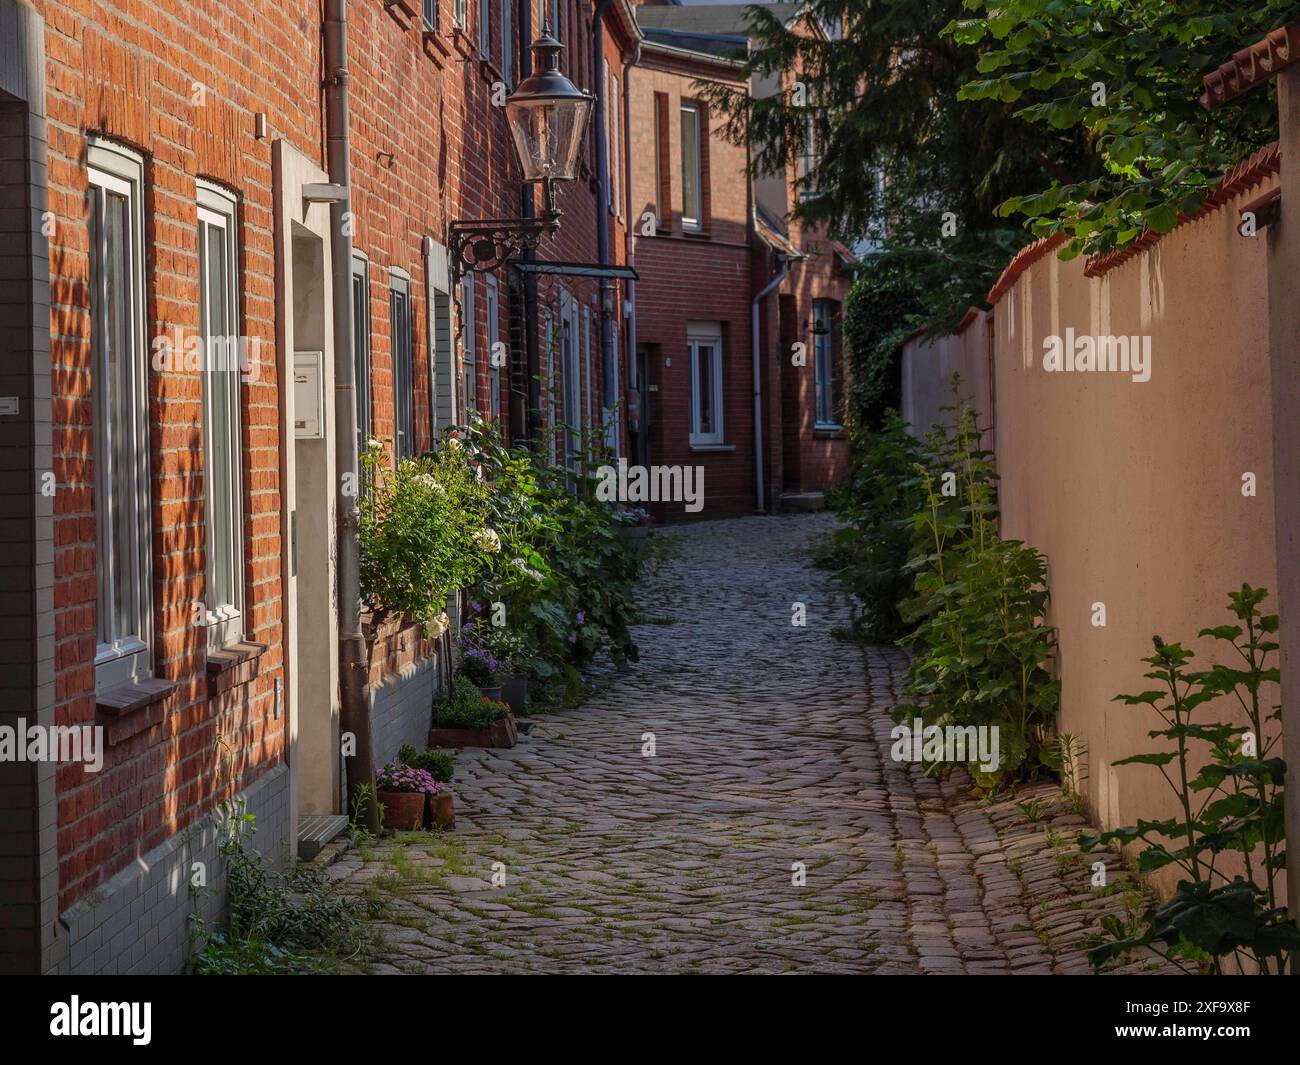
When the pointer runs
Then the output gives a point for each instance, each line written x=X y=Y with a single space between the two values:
x=687 y=276
x=181 y=87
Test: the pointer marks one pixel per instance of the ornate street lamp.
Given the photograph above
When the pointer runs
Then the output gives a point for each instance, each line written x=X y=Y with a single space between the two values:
x=548 y=117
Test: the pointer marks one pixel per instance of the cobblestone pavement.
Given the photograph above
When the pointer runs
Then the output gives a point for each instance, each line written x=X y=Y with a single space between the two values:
x=771 y=748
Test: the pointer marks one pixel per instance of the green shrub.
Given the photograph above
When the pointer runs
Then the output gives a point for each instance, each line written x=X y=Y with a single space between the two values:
x=984 y=650
x=876 y=509
x=1233 y=805
x=276 y=923
x=438 y=764
x=466 y=707
x=424 y=530
x=564 y=575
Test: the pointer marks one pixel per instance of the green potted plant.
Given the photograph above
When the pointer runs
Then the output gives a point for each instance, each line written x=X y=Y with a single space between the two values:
x=439 y=765
x=467 y=718
x=403 y=792
x=509 y=649
x=483 y=669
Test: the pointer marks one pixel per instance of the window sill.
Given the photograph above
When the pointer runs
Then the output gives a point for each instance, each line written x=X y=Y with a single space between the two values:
x=489 y=71
x=400 y=8
x=713 y=447
x=432 y=37
x=131 y=708
x=462 y=43
x=233 y=666
x=829 y=432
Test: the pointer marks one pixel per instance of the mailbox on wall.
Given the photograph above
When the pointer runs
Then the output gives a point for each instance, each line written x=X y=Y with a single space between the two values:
x=309 y=395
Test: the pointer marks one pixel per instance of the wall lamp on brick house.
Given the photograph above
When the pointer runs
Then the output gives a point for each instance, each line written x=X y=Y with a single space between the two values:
x=548 y=118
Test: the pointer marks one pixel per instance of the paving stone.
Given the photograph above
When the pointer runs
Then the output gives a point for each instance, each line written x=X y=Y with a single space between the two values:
x=772 y=760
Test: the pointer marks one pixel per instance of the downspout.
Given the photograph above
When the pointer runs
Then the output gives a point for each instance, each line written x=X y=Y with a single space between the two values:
x=354 y=672
x=602 y=195
x=771 y=287
x=532 y=420
x=629 y=234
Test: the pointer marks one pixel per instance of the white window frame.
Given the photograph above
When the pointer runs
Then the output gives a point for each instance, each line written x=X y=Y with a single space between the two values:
x=613 y=438
x=468 y=357
x=571 y=376
x=693 y=219
x=824 y=366
x=460 y=14
x=399 y=296
x=429 y=16
x=362 y=352
x=485 y=28
x=586 y=361
x=548 y=340
x=697 y=335
x=492 y=305
x=223 y=484
x=121 y=656
x=616 y=179
x=508 y=43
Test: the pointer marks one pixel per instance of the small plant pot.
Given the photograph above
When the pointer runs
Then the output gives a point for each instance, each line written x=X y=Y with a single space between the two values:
x=492 y=691
x=442 y=810
x=514 y=692
x=403 y=810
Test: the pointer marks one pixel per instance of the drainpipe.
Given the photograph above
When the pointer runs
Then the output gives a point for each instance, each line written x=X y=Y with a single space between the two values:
x=354 y=670
x=602 y=195
x=531 y=421
x=771 y=287
x=629 y=235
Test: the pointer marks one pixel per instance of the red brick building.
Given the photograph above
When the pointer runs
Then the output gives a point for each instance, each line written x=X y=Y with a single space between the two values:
x=168 y=416
x=724 y=264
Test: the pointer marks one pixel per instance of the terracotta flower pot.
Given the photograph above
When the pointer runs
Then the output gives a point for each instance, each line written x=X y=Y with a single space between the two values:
x=442 y=810
x=403 y=810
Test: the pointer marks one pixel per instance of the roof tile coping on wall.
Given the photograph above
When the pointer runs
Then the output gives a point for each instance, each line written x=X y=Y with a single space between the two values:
x=1252 y=66
x=1262 y=164
x=1022 y=261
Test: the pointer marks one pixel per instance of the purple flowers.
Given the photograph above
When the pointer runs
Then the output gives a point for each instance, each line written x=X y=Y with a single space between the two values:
x=582 y=618
x=400 y=777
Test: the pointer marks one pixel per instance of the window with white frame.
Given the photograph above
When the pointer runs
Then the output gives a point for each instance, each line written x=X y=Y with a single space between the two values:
x=469 y=383
x=692 y=204
x=571 y=380
x=399 y=304
x=809 y=158
x=508 y=43
x=460 y=13
x=124 y=601
x=222 y=438
x=361 y=346
x=613 y=438
x=431 y=15
x=548 y=353
x=586 y=362
x=443 y=379
x=704 y=344
x=616 y=154
x=492 y=305
x=485 y=28
x=824 y=362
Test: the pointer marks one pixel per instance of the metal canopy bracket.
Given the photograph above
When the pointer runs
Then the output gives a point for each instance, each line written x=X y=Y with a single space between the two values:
x=485 y=244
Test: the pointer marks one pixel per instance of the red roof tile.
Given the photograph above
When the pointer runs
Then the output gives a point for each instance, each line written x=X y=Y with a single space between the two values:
x=1264 y=163
x=1252 y=66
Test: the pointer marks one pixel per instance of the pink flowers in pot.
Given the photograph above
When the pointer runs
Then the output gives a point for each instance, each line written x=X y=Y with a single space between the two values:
x=400 y=777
